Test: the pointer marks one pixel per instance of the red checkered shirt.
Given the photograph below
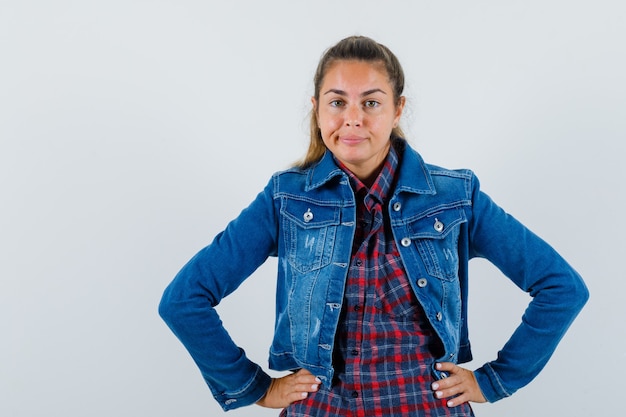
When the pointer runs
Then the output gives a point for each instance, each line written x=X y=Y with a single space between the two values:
x=384 y=346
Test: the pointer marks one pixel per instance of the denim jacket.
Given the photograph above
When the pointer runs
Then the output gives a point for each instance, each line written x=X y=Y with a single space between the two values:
x=440 y=220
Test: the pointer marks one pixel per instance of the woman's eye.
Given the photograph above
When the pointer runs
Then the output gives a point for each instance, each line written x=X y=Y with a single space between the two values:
x=371 y=103
x=336 y=103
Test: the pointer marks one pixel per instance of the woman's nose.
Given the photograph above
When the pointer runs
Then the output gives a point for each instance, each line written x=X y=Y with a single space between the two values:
x=354 y=116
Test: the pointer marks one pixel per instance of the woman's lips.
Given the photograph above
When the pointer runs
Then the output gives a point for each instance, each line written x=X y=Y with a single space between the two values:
x=351 y=140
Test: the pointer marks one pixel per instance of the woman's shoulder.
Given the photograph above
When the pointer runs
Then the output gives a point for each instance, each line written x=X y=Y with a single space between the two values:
x=438 y=178
x=292 y=174
x=309 y=178
x=293 y=180
x=461 y=173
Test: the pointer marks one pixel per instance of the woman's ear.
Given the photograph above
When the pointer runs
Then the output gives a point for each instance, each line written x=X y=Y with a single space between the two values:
x=314 y=110
x=399 y=109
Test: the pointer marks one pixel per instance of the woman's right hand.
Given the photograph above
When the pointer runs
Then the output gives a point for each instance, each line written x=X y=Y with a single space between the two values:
x=288 y=389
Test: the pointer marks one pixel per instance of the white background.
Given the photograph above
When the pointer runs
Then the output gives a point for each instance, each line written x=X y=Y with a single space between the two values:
x=132 y=131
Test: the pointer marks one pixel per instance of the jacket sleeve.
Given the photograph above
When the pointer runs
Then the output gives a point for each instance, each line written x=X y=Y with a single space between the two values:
x=558 y=294
x=188 y=303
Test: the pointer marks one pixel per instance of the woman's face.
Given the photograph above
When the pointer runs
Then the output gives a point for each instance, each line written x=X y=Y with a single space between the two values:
x=356 y=112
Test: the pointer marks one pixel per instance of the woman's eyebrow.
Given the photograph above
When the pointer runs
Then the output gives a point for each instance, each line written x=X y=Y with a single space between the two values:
x=335 y=91
x=365 y=93
x=372 y=91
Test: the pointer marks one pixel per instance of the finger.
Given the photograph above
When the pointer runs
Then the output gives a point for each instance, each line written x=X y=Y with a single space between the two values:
x=446 y=366
x=450 y=392
x=456 y=401
x=447 y=382
x=451 y=385
x=305 y=377
x=462 y=385
x=304 y=381
x=290 y=388
x=305 y=388
x=296 y=396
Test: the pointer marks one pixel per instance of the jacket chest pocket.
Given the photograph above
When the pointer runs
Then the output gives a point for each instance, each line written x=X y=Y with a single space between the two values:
x=309 y=231
x=436 y=236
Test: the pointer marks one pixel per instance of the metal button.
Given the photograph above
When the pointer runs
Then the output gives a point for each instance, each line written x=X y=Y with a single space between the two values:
x=358 y=262
x=308 y=216
x=439 y=316
x=438 y=226
x=422 y=282
x=355 y=394
x=406 y=242
x=397 y=206
x=354 y=352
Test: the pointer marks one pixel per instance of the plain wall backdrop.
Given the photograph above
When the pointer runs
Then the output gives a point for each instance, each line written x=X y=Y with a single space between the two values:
x=131 y=132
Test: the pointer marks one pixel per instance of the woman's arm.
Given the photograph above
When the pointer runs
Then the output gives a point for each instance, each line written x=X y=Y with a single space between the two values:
x=188 y=303
x=558 y=294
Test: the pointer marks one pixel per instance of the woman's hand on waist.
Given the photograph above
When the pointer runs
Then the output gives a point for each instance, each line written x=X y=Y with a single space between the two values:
x=461 y=384
x=288 y=389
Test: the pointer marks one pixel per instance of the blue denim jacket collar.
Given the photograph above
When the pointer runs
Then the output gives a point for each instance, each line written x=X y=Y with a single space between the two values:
x=322 y=172
x=413 y=175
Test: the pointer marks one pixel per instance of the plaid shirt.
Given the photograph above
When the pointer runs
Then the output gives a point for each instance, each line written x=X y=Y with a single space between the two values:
x=384 y=346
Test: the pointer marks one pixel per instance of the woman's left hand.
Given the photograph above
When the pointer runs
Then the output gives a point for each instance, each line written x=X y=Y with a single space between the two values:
x=460 y=384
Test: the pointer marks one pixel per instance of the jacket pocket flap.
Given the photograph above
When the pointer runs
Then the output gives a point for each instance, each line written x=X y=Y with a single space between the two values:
x=436 y=224
x=307 y=214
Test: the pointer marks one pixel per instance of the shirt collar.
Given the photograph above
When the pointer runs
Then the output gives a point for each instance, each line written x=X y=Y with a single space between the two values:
x=382 y=186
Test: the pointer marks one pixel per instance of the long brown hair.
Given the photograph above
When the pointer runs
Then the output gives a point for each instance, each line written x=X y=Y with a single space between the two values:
x=360 y=48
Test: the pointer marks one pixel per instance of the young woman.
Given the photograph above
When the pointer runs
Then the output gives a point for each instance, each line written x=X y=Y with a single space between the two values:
x=373 y=247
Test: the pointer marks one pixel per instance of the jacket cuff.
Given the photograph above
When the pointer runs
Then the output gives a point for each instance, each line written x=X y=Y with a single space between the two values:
x=252 y=392
x=490 y=384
